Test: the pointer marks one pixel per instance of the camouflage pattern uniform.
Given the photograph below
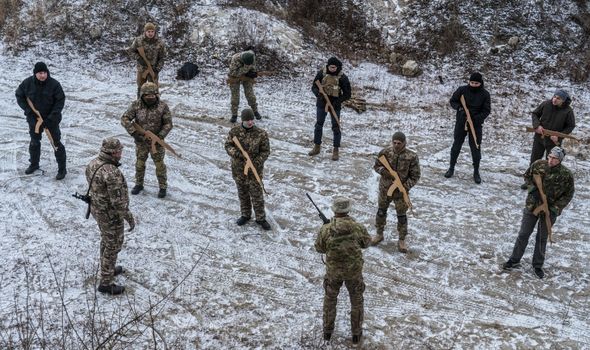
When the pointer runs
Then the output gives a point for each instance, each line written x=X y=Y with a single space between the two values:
x=236 y=75
x=155 y=52
x=255 y=142
x=558 y=184
x=110 y=206
x=342 y=240
x=157 y=119
x=407 y=166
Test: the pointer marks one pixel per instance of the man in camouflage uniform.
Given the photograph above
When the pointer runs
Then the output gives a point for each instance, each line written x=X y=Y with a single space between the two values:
x=152 y=114
x=155 y=52
x=110 y=207
x=242 y=70
x=337 y=86
x=558 y=184
x=342 y=240
x=406 y=164
x=255 y=142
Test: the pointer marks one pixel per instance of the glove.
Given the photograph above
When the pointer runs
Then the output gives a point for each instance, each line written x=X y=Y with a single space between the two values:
x=160 y=136
x=536 y=196
x=47 y=123
x=138 y=138
x=251 y=74
x=130 y=220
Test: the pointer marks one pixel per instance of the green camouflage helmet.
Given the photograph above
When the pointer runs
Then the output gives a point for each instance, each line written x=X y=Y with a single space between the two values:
x=149 y=88
x=111 y=145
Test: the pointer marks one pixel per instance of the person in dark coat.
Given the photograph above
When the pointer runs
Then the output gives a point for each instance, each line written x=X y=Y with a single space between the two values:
x=47 y=96
x=477 y=100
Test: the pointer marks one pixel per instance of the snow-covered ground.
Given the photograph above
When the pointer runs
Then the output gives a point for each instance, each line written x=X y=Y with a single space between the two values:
x=253 y=289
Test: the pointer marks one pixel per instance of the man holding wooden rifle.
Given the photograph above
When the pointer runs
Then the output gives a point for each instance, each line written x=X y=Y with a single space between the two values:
x=405 y=163
x=42 y=98
x=336 y=87
x=149 y=52
x=557 y=190
x=151 y=114
x=254 y=142
x=477 y=101
x=554 y=115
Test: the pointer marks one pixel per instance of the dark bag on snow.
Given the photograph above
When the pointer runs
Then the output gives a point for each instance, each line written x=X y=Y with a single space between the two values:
x=187 y=71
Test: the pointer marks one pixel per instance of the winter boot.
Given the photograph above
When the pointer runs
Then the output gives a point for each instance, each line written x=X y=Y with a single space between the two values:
x=112 y=289
x=508 y=265
x=257 y=115
x=162 y=193
x=61 y=173
x=524 y=186
x=233 y=118
x=242 y=220
x=539 y=272
x=450 y=172
x=265 y=225
x=136 y=189
x=118 y=270
x=327 y=336
x=378 y=238
x=476 y=177
x=335 y=153
x=356 y=338
x=315 y=150
x=401 y=246
x=31 y=169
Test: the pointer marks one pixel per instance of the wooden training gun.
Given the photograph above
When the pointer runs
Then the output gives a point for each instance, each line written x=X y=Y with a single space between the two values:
x=149 y=70
x=329 y=106
x=249 y=165
x=242 y=78
x=397 y=183
x=549 y=133
x=154 y=139
x=469 y=121
x=543 y=207
x=39 y=122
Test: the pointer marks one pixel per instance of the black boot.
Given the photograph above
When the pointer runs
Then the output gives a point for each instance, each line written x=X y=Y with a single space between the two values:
x=242 y=220
x=476 y=176
x=233 y=118
x=539 y=272
x=265 y=225
x=162 y=193
x=118 y=270
x=34 y=156
x=356 y=339
x=327 y=336
x=257 y=115
x=450 y=172
x=112 y=289
x=136 y=189
x=31 y=168
x=61 y=173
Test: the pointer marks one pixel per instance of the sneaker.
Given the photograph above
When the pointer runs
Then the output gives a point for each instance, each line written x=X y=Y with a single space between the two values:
x=450 y=172
x=265 y=225
x=31 y=169
x=508 y=265
x=242 y=220
x=162 y=193
x=233 y=119
x=112 y=289
x=327 y=336
x=61 y=174
x=257 y=115
x=136 y=189
x=118 y=270
x=539 y=272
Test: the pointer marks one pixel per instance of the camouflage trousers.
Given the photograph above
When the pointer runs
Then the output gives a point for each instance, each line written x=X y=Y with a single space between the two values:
x=355 y=287
x=141 y=80
x=248 y=92
x=400 y=207
x=142 y=150
x=111 y=241
x=250 y=195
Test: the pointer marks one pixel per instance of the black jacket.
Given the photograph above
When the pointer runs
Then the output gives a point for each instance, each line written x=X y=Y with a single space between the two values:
x=336 y=101
x=477 y=101
x=48 y=98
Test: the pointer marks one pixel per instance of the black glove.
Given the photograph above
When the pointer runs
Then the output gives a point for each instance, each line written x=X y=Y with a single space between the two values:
x=137 y=137
x=47 y=123
x=251 y=74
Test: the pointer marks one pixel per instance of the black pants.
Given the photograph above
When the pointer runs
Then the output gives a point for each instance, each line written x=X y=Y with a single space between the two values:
x=527 y=225
x=541 y=147
x=459 y=137
x=35 y=145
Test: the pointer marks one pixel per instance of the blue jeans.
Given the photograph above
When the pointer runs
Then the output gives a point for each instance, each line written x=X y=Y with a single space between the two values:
x=319 y=124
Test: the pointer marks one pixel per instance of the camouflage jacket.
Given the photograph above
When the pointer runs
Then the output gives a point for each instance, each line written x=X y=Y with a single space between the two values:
x=237 y=68
x=406 y=165
x=342 y=240
x=558 y=184
x=155 y=52
x=255 y=142
x=156 y=119
x=110 y=200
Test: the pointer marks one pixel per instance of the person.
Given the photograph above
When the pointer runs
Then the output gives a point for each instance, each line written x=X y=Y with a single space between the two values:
x=337 y=86
x=405 y=162
x=242 y=70
x=555 y=114
x=342 y=240
x=151 y=114
x=155 y=52
x=477 y=100
x=255 y=142
x=47 y=97
x=558 y=185
x=110 y=208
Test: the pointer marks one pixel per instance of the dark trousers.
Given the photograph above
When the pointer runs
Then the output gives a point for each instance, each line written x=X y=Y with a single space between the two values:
x=459 y=137
x=527 y=225
x=541 y=148
x=35 y=145
x=319 y=125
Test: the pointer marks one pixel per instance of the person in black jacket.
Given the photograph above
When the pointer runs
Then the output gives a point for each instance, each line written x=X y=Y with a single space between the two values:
x=555 y=115
x=48 y=98
x=477 y=100
x=337 y=87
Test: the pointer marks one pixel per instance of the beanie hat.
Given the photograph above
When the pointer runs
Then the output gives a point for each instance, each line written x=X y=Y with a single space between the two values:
x=399 y=136
x=247 y=114
x=40 y=67
x=476 y=77
x=341 y=205
x=558 y=153
x=111 y=145
x=334 y=61
x=247 y=57
x=149 y=88
x=562 y=94
x=149 y=26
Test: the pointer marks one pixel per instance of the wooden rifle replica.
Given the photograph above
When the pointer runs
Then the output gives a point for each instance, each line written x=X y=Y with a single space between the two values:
x=242 y=78
x=154 y=139
x=549 y=133
x=397 y=183
x=469 y=121
x=329 y=106
x=543 y=207
x=149 y=70
x=39 y=122
x=249 y=165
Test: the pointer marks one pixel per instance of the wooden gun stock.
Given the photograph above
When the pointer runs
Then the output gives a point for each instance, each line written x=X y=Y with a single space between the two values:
x=469 y=121
x=329 y=106
x=149 y=70
x=397 y=183
x=547 y=132
x=154 y=139
x=39 y=122
x=249 y=165
x=543 y=207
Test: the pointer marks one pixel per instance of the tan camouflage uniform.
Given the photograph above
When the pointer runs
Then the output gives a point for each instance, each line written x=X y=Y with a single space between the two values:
x=255 y=142
x=157 y=119
x=342 y=240
x=407 y=166
x=110 y=206
x=237 y=69
x=155 y=52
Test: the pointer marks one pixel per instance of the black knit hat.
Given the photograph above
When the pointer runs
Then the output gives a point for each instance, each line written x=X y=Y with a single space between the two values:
x=399 y=136
x=476 y=77
x=40 y=67
x=334 y=61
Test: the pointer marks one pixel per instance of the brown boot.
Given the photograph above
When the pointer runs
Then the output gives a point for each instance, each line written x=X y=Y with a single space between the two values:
x=335 y=153
x=315 y=150
x=401 y=246
x=378 y=238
